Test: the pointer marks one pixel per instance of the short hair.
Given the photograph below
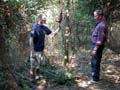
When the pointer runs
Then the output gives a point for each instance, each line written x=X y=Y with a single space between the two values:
x=99 y=12
x=40 y=16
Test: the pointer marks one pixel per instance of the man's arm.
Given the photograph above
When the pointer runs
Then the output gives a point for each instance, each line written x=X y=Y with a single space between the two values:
x=32 y=52
x=47 y=30
x=99 y=38
x=31 y=44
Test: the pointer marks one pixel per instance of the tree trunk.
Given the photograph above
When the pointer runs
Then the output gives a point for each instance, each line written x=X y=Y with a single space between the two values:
x=7 y=71
x=5 y=65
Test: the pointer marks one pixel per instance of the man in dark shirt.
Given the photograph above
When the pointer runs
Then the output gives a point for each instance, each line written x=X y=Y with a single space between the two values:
x=37 y=41
x=99 y=38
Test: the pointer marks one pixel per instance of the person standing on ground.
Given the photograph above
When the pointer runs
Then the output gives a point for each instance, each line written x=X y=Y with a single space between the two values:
x=99 y=38
x=37 y=39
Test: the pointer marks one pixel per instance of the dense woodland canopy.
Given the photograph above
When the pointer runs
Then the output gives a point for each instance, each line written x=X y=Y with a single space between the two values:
x=16 y=18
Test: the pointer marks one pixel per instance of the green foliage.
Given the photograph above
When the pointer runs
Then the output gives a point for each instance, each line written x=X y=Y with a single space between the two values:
x=64 y=77
x=81 y=10
x=56 y=75
x=24 y=84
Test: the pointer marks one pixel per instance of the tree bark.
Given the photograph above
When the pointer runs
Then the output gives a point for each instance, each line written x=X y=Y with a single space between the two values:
x=4 y=54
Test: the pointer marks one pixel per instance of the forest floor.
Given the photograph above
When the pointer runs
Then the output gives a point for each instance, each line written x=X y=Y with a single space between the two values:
x=80 y=64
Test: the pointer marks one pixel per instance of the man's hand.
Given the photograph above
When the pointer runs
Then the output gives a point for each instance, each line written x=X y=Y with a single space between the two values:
x=32 y=54
x=94 y=52
x=55 y=32
x=52 y=35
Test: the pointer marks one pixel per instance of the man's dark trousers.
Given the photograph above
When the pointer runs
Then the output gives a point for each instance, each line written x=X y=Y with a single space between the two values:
x=95 y=62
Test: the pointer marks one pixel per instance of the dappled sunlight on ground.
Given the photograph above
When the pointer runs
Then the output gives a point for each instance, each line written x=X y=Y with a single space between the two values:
x=80 y=65
x=110 y=73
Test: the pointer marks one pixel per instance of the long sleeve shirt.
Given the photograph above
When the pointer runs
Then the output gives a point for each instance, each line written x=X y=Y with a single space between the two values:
x=100 y=33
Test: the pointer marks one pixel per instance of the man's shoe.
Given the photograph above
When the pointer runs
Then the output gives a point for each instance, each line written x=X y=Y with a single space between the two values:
x=37 y=77
x=92 y=82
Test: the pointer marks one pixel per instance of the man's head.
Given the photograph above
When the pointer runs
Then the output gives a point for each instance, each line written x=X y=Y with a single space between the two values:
x=41 y=19
x=98 y=15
